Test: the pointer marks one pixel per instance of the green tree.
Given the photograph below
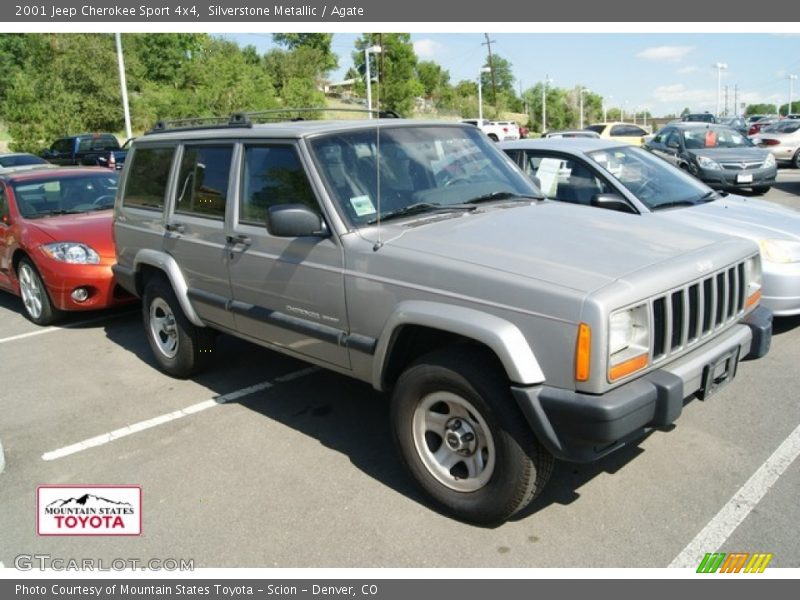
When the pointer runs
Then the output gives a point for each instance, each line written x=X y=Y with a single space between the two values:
x=321 y=42
x=685 y=111
x=504 y=79
x=398 y=84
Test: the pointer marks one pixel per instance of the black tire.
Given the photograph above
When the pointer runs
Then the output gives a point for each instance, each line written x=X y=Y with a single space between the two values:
x=796 y=160
x=36 y=302
x=761 y=189
x=493 y=137
x=521 y=466
x=180 y=348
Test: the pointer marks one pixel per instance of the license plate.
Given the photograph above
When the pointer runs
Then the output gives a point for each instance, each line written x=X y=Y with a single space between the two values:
x=744 y=178
x=719 y=373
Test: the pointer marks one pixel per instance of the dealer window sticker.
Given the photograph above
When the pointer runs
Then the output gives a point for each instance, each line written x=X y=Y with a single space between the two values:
x=362 y=205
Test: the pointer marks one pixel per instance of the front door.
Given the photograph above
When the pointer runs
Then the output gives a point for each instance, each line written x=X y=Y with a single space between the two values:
x=288 y=292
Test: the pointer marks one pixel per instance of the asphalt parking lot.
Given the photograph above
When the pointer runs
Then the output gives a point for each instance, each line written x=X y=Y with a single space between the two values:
x=293 y=467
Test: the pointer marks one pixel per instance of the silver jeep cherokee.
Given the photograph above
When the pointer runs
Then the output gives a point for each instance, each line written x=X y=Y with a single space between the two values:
x=415 y=256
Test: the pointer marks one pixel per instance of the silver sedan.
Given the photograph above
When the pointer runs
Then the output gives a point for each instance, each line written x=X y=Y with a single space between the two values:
x=604 y=174
x=782 y=139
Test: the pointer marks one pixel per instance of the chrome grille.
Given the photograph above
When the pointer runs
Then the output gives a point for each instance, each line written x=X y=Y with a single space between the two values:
x=741 y=166
x=686 y=315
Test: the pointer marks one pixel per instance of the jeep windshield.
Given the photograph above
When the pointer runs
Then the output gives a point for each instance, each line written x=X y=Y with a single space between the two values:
x=402 y=171
x=656 y=183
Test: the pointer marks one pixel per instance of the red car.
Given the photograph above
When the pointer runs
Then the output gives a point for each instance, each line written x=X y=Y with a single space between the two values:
x=56 y=246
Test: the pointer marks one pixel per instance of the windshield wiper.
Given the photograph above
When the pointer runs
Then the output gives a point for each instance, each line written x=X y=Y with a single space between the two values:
x=502 y=196
x=63 y=212
x=418 y=208
x=673 y=204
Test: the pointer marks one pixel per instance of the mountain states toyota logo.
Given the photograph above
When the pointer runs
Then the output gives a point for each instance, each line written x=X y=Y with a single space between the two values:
x=89 y=510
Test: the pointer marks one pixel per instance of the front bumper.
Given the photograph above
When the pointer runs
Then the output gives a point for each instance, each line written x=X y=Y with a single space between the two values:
x=581 y=427
x=61 y=279
x=729 y=179
x=781 y=288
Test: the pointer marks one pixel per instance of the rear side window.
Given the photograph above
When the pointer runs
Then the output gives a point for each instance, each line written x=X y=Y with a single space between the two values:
x=203 y=181
x=272 y=175
x=148 y=173
x=627 y=131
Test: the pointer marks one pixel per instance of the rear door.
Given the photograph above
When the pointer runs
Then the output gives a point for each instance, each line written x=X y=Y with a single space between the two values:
x=196 y=234
x=288 y=292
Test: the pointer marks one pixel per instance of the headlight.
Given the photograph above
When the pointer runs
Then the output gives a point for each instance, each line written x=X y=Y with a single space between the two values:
x=71 y=252
x=753 y=277
x=706 y=163
x=780 y=251
x=628 y=341
x=769 y=161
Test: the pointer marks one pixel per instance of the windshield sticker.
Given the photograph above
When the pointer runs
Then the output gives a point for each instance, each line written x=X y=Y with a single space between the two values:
x=548 y=173
x=362 y=205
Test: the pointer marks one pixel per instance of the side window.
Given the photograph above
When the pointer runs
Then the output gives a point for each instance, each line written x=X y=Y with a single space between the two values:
x=203 y=181
x=272 y=175
x=64 y=146
x=673 y=140
x=565 y=179
x=85 y=144
x=148 y=174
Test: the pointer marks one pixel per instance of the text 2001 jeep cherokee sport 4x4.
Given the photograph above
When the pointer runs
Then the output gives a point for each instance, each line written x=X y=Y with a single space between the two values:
x=509 y=330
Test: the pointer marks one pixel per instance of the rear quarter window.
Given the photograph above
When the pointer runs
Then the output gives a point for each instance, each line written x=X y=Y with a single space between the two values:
x=148 y=175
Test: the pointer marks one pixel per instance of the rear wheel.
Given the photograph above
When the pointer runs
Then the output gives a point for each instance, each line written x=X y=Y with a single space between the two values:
x=180 y=348
x=35 y=299
x=493 y=137
x=796 y=160
x=463 y=438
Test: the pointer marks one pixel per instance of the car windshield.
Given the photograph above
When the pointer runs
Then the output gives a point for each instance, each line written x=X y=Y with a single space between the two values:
x=789 y=126
x=400 y=171
x=714 y=137
x=48 y=196
x=653 y=181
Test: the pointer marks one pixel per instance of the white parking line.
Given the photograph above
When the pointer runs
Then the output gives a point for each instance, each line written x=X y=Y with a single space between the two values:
x=178 y=414
x=736 y=510
x=44 y=330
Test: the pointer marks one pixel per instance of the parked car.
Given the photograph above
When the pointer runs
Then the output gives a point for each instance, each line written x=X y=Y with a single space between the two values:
x=609 y=175
x=497 y=131
x=572 y=133
x=56 y=247
x=20 y=159
x=89 y=149
x=705 y=117
x=761 y=124
x=782 y=140
x=737 y=123
x=415 y=256
x=719 y=156
x=622 y=132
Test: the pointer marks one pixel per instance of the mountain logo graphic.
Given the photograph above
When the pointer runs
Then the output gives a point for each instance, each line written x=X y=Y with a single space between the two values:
x=89 y=510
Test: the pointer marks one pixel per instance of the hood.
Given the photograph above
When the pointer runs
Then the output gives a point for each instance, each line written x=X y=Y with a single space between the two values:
x=731 y=154
x=577 y=247
x=92 y=229
x=744 y=217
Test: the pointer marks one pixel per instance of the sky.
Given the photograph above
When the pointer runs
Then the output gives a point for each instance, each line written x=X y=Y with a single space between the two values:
x=663 y=73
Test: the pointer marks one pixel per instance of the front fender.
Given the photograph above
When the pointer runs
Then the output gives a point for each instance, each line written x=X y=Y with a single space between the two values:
x=502 y=337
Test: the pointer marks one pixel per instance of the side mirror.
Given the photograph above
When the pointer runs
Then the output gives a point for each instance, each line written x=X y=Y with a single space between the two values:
x=294 y=220
x=611 y=202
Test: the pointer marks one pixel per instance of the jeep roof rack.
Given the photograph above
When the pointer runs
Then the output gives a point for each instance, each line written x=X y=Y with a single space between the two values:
x=248 y=119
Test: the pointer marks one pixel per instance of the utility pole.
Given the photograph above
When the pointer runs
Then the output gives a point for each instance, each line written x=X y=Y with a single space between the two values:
x=726 y=100
x=123 y=86
x=736 y=100
x=488 y=43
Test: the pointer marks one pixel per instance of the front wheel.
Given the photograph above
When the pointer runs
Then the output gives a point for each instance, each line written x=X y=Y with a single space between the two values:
x=35 y=299
x=463 y=438
x=180 y=348
x=796 y=160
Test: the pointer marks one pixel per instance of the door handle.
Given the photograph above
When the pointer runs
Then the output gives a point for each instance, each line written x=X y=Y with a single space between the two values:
x=175 y=227
x=238 y=239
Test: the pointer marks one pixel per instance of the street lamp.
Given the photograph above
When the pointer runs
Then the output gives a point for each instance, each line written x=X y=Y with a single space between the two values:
x=720 y=68
x=547 y=81
x=605 y=112
x=791 y=79
x=583 y=91
x=480 y=94
x=367 y=51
